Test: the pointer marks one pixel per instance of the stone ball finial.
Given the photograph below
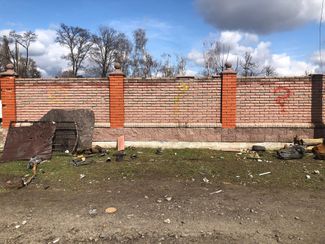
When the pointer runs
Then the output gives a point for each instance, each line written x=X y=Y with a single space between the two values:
x=228 y=65
x=117 y=66
x=10 y=71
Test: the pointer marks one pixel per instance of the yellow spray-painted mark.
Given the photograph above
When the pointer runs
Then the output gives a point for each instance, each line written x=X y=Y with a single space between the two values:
x=183 y=89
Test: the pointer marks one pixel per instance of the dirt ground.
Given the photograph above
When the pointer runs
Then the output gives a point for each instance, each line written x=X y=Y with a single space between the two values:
x=153 y=207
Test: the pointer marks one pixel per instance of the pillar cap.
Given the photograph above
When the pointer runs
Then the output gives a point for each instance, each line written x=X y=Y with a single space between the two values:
x=118 y=70
x=10 y=71
x=228 y=69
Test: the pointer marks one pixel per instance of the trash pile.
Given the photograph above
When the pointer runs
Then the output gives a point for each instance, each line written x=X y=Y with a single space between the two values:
x=301 y=147
x=296 y=150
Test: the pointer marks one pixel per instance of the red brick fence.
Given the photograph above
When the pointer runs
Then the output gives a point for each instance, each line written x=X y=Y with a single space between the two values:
x=225 y=108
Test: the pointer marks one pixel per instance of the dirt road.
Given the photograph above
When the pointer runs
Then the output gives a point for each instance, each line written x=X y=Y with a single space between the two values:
x=162 y=211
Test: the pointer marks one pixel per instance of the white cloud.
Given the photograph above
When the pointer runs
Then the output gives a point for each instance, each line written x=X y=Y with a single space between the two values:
x=259 y=16
x=261 y=54
x=196 y=56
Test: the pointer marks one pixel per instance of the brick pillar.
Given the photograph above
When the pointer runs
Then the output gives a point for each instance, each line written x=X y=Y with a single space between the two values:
x=228 y=97
x=8 y=95
x=116 y=97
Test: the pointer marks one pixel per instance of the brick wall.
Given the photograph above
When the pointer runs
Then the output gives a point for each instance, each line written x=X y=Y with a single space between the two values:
x=216 y=109
x=37 y=96
x=278 y=100
x=167 y=101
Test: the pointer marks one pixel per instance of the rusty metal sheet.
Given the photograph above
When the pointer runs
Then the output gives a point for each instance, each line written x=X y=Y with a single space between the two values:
x=26 y=140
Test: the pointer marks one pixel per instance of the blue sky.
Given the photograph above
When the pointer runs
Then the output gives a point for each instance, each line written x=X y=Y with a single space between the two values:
x=278 y=34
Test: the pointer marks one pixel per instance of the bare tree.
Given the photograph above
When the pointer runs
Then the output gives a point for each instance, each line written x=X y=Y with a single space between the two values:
x=103 y=50
x=30 y=70
x=215 y=55
x=78 y=41
x=269 y=70
x=5 y=53
x=24 y=67
x=123 y=52
x=248 y=65
x=181 y=63
x=25 y=41
x=142 y=62
x=14 y=54
x=166 y=68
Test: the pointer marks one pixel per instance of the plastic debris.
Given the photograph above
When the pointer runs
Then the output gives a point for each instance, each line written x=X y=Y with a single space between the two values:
x=167 y=221
x=92 y=212
x=206 y=180
x=308 y=177
x=56 y=240
x=168 y=199
x=266 y=173
x=216 y=192
x=111 y=210
x=82 y=176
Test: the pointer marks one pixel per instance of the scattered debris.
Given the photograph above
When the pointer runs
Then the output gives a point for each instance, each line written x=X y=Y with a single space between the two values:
x=111 y=210
x=92 y=151
x=92 y=212
x=168 y=199
x=28 y=181
x=308 y=177
x=17 y=226
x=312 y=142
x=291 y=152
x=108 y=160
x=216 y=192
x=319 y=151
x=82 y=176
x=266 y=173
x=159 y=151
x=316 y=172
x=159 y=200
x=206 y=180
x=80 y=161
x=258 y=148
x=249 y=154
x=134 y=156
x=167 y=221
x=66 y=151
x=35 y=161
x=56 y=240
x=24 y=222
x=119 y=156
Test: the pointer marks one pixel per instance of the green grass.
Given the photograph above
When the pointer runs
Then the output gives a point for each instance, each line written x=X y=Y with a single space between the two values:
x=185 y=164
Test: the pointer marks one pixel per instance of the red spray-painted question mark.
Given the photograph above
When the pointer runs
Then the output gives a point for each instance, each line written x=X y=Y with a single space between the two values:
x=281 y=99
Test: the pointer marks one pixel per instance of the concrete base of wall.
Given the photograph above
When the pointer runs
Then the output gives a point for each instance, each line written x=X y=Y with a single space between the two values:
x=254 y=135
x=222 y=146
